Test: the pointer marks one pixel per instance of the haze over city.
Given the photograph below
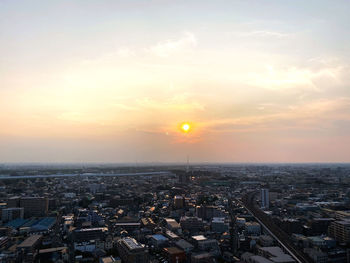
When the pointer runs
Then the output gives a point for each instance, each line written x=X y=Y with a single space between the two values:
x=113 y=81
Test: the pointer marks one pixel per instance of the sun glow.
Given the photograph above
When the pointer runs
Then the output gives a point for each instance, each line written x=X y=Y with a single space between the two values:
x=185 y=127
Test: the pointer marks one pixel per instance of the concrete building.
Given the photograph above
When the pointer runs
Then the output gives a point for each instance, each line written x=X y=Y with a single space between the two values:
x=26 y=251
x=252 y=228
x=174 y=255
x=87 y=234
x=55 y=254
x=275 y=254
x=159 y=241
x=34 y=206
x=207 y=212
x=85 y=246
x=172 y=225
x=240 y=221
x=191 y=223
x=9 y=214
x=132 y=251
x=109 y=259
x=185 y=246
x=13 y=201
x=201 y=257
x=340 y=230
x=258 y=259
x=265 y=241
x=265 y=198
x=171 y=235
x=219 y=225
x=179 y=202
x=316 y=255
x=205 y=244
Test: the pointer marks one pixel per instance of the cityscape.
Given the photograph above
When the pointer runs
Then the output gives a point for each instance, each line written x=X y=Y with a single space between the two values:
x=174 y=131
x=252 y=213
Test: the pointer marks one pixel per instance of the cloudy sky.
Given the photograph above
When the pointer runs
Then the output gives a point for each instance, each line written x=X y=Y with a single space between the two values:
x=111 y=81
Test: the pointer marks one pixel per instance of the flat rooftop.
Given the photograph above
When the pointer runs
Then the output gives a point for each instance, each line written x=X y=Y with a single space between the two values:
x=173 y=250
x=159 y=237
x=199 y=238
x=30 y=241
x=50 y=250
x=91 y=229
x=131 y=243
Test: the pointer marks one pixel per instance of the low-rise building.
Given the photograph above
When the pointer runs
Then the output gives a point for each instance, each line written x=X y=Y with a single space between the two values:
x=132 y=251
x=252 y=228
x=174 y=255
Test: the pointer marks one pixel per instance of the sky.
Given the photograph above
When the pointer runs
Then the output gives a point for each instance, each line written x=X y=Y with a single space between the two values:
x=112 y=81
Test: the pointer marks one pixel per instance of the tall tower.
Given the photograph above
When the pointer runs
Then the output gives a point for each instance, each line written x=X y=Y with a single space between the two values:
x=265 y=200
x=188 y=164
x=184 y=177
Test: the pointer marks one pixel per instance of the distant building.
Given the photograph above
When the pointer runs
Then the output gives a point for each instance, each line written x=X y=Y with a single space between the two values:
x=316 y=255
x=174 y=255
x=56 y=254
x=196 y=239
x=87 y=234
x=210 y=245
x=265 y=240
x=179 y=202
x=340 y=230
x=201 y=257
x=184 y=177
x=34 y=206
x=94 y=188
x=85 y=246
x=43 y=225
x=291 y=226
x=109 y=259
x=205 y=244
x=148 y=223
x=184 y=245
x=171 y=235
x=13 y=201
x=252 y=228
x=258 y=259
x=171 y=224
x=275 y=254
x=265 y=200
x=159 y=241
x=132 y=251
x=320 y=225
x=4 y=240
x=219 y=225
x=191 y=223
x=9 y=214
x=26 y=251
x=240 y=221
x=117 y=201
x=207 y=212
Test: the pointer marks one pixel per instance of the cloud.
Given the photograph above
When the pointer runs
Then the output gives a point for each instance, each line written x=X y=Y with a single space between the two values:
x=292 y=77
x=262 y=34
x=125 y=52
x=171 y=46
x=177 y=102
x=315 y=115
x=125 y=107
